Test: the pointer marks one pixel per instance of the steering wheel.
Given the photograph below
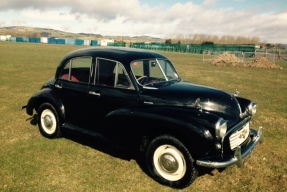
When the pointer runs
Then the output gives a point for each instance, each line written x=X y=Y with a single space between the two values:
x=142 y=79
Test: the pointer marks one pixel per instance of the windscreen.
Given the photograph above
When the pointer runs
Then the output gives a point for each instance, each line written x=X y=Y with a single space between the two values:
x=153 y=71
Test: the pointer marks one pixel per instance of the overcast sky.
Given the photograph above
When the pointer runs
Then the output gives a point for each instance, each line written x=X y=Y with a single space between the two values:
x=266 y=19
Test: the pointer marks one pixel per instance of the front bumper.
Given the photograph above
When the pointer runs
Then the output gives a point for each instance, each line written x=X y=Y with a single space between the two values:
x=240 y=154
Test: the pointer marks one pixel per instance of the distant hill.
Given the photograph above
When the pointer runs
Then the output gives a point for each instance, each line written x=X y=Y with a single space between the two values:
x=46 y=32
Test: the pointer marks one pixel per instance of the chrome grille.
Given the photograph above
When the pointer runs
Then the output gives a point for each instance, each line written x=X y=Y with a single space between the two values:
x=238 y=137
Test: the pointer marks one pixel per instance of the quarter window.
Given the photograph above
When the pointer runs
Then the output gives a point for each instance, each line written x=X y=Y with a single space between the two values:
x=77 y=70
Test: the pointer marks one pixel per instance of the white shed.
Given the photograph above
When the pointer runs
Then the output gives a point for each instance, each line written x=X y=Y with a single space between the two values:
x=44 y=39
x=105 y=42
x=3 y=38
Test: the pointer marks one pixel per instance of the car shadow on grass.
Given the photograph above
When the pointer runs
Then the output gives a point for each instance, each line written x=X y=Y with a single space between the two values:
x=33 y=119
x=114 y=151
x=90 y=141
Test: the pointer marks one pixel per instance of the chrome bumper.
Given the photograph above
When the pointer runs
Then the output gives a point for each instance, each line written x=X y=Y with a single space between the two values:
x=239 y=155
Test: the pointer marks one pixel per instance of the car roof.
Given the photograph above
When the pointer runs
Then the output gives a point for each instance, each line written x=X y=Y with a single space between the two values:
x=124 y=55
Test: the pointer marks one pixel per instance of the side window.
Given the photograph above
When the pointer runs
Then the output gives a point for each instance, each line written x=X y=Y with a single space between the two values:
x=112 y=74
x=122 y=80
x=105 y=72
x=77 y=70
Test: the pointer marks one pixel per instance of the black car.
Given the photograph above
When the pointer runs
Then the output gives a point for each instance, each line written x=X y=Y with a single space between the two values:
x=135 y=99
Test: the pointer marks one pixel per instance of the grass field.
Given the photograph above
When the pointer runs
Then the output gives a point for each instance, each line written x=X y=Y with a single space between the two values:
x=30 y=162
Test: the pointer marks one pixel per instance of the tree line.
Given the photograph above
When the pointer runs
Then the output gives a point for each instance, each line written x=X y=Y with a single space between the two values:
x=202 y=38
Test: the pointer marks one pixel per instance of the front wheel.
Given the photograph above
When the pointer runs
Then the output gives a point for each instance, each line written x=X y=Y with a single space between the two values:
x=48 y=121
x=170 y=163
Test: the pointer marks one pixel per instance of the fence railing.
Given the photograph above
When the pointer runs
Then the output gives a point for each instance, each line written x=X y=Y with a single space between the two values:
x=243 y=57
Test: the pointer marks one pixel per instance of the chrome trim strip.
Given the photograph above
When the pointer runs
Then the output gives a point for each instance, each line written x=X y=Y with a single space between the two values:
x=148 y=103
x=239 y=154
x=145 y=87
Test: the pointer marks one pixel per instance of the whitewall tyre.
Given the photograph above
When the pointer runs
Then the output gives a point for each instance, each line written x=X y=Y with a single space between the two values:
x=170 y=163
x=48 y=121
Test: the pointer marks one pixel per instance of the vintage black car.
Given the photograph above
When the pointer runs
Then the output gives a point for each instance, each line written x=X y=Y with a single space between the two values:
x=136 y=99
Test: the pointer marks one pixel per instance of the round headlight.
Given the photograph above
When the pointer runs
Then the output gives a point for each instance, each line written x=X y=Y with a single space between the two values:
x=252 y=108
x=220 y=128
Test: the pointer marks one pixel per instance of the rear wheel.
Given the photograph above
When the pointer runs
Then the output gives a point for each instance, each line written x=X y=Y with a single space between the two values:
x=170 y=163
x=48 y=121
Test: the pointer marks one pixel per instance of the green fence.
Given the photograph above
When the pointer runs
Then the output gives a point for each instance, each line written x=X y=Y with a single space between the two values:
x=194 y=48
x=117 y=44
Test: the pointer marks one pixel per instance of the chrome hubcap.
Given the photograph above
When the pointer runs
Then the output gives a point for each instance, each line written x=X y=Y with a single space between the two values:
x=168 y=163
x=48 y=122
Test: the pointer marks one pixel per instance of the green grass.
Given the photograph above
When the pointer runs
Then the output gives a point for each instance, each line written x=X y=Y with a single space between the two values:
x=30 y=162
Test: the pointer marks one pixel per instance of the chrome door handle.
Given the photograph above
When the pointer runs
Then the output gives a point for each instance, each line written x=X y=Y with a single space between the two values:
x=94 y=93
x=58 y=86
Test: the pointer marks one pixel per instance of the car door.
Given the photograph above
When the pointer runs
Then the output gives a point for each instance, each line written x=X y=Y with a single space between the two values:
x=111 y=92
x=72 y=86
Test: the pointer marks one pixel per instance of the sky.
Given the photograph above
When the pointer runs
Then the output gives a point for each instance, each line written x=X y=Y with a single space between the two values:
x=266 y=19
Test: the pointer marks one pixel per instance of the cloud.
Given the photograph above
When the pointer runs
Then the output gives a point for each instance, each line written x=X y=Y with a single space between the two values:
x=19 y=22
x=2 y=23
x=18 y=5
x=98 y=9
x=208 y=3
x=119 y=17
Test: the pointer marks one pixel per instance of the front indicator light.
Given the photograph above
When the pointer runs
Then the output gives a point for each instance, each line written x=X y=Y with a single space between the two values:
x=220 y=128
x=252 y=108
x=218 y=146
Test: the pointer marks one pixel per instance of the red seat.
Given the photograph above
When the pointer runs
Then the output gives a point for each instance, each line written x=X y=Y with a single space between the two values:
x=73 y=78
